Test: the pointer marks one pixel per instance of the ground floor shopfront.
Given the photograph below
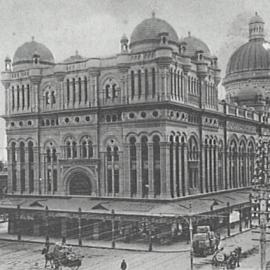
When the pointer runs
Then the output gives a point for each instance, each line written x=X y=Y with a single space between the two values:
x=85 y=218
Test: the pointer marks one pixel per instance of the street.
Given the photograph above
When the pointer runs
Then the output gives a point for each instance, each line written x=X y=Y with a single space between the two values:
x=27 y=256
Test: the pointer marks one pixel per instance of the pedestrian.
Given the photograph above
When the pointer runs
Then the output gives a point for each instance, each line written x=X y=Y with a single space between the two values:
x=123 y=265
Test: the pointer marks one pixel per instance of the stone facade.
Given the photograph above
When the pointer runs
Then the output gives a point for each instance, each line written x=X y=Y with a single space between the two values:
x=145 y=123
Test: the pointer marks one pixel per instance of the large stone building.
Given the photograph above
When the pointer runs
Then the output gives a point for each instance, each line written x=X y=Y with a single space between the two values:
x=143 y=125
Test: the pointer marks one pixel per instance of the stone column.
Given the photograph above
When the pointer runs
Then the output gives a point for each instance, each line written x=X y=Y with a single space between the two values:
x=228 y=173
x=139 y=169
x=151 y=169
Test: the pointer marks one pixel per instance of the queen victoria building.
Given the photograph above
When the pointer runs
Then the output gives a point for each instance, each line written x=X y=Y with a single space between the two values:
x=140 y=133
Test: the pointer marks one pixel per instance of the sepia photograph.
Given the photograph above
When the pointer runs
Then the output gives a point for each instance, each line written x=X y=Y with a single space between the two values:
x=135 y=134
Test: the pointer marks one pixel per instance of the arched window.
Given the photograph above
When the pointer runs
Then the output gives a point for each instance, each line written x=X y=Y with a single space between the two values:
x=250 y=160
x=87 y=148
x=139 y=83
x=74 y=149
x=22 y=167
x=178 y=84
x=68 y=149
x=18 y=97
x=28 y=96
x=74 y=90
x=193 y=162
x=13 y=164
x=133 y=166
x=85 y=90
x=153 y=82
x=13 y=97
x=144 y=164
x=156 y=157
x=54 y=155
x=172 y=165
x=47 y=98
x=80 y=90
x=242 y=164
x=31 y=168
x=68 y=92
x=146 y=83
x=48 y=155
x=23 y=97
x=233 y=164
x=109 y=170
x=53 y=98
x=132 y=85
x=107 y=91
x=114 y=91
x=220 y=165
x=171 y=80
x=177 y=169
x=115 y=168
x=22 y=152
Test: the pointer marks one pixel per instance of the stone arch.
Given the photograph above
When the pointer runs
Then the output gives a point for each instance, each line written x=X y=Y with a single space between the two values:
x=80 y=181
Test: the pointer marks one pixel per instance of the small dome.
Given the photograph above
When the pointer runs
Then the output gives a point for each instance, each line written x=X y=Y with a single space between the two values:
x=194 y=44
x=124 y=38
x=256 y=19
x=148 y=32
x=24 y=54
x=252 y=56
x=74 y=58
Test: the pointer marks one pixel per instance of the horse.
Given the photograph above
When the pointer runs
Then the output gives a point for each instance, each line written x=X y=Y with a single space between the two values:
x=49 y=256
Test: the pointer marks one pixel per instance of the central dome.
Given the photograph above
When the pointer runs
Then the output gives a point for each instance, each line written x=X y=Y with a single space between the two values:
x=252 y=56
x=24 y=54
x=149 y=30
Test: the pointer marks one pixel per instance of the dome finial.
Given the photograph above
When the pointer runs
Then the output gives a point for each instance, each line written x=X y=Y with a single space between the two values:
x=33 y=38
x=153 y=14
x=76 y=52
x=189 y=33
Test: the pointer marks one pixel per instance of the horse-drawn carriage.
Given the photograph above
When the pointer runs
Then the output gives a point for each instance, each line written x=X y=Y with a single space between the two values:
x=227 y=258
x=62 y=255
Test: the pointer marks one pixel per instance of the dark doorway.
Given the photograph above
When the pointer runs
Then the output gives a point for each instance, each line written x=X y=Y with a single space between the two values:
x=79 y=184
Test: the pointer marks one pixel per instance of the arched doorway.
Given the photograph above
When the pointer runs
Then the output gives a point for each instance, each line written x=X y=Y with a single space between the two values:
x=79 y=184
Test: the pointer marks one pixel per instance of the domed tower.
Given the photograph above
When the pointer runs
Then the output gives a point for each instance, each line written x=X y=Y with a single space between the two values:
x=32 y=54
x=248 y=70
x=153 y=33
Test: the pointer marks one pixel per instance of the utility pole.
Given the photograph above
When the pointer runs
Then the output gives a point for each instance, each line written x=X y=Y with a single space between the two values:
x=260 y=182
x=263 y=221
x=191 y=237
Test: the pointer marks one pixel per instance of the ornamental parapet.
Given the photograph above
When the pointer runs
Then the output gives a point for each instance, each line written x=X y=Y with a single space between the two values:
x=234 y=110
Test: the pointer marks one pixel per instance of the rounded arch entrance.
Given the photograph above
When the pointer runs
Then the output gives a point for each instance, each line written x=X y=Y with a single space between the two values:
x=79 y=182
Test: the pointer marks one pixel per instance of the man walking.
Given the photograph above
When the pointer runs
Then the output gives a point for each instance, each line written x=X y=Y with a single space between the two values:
x=123 y=265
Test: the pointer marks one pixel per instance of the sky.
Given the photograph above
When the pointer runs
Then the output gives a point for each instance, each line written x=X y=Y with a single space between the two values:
x=94 y=27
